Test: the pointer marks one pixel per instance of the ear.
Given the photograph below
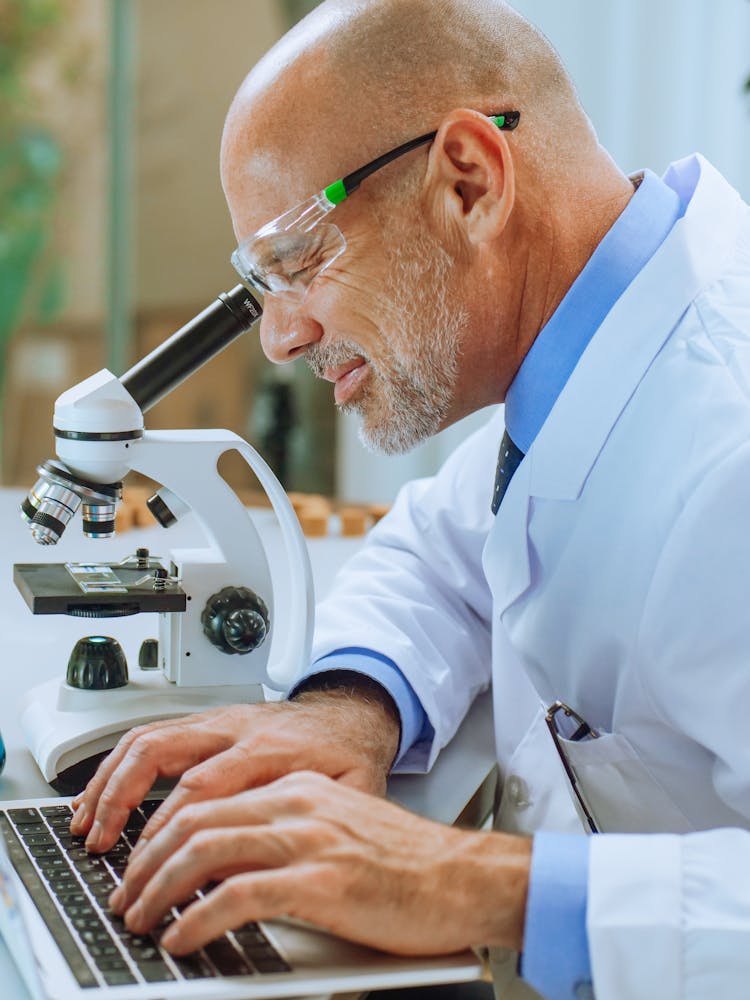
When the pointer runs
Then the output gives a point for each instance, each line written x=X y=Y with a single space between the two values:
x=470 y=176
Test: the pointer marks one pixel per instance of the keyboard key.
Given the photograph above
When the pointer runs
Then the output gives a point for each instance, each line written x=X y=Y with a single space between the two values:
x=149 y=807
x=55 y=812
x=41 y=851
x=60 y=824
x=118 y=977
x=117 y=924
x=73 y=898
x=226 y=958
x=67 y=840
x=260 y=951
x=92 y=863
x=93 y=935
x=29 y=828
x=156 y=972
x=21 y=817
x=110 y=963
x=247 y=938
x=38 y=838
x=193 y=966
x=53 y=866
x=134 y=822
x=63 y=881
x=96 y=877
x=136 y=943
x=100 y=937
x=101 y=891
x=80 y=854
x=120 y=850
x=271 y=965
x=104 y=950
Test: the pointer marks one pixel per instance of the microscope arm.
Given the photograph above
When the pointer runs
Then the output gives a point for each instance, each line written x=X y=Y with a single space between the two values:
x=172 y=457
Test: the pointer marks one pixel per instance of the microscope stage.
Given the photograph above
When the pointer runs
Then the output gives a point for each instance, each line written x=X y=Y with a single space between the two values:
x=50 y=589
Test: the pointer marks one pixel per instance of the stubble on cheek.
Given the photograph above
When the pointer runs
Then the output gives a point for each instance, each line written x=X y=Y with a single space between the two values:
x=412 y=371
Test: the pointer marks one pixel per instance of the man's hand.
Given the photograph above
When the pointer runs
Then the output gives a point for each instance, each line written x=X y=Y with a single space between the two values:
x=311 y=848
x=218 y=753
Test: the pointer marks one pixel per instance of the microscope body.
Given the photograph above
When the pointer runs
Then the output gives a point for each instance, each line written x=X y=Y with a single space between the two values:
x=235 y=625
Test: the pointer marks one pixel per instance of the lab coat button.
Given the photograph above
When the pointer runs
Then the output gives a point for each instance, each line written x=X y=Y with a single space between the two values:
x=517 y=791
x=584 y=990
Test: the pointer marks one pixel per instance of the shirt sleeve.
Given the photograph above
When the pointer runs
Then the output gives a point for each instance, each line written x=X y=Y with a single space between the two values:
x=415 y=726
x=556 y=958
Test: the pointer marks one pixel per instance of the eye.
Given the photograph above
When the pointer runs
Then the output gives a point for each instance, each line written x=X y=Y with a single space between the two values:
x=259 y=280
x=281 y=260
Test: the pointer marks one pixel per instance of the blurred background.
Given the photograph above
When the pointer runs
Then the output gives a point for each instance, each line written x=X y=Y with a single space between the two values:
x=114 y=230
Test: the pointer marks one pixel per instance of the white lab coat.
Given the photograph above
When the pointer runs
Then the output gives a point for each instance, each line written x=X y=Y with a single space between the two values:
x=616 y=578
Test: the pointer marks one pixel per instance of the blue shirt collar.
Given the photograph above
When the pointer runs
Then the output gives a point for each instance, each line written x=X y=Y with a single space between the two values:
x=625 y=250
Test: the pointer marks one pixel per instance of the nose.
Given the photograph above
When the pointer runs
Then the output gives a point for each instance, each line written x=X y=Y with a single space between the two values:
x=286 y=331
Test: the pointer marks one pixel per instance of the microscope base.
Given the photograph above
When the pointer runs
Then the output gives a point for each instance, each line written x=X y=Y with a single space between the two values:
x=69 y=730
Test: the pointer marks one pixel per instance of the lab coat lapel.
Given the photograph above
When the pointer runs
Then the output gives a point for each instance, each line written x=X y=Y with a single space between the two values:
x=634 y=332
x=506 y=553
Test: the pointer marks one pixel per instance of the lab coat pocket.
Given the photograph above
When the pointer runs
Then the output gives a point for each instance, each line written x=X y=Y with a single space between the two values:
x=535 y=792
x=619 y=790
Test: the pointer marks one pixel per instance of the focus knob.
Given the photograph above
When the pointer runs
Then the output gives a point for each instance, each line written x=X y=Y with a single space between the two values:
x=235 y=620
x=97 y=663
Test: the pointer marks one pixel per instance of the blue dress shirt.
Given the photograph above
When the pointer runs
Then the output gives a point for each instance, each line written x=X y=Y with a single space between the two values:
x=556 y=957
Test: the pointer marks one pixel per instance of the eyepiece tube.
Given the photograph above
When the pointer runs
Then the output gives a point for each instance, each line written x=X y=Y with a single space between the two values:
x=192 y=346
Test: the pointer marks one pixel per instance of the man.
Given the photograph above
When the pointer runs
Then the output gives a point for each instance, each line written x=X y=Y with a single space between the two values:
x=502 y=256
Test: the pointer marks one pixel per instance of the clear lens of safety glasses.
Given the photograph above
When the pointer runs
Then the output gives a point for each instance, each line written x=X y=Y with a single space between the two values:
x=286 y=255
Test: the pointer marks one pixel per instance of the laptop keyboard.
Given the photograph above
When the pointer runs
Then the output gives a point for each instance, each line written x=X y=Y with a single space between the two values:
x=70 y=888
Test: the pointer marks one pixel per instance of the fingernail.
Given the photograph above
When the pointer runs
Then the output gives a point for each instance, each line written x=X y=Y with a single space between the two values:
x=134 y=916
x=116 y=899
x=95 y=835
x=170 y=936
x=77 y=822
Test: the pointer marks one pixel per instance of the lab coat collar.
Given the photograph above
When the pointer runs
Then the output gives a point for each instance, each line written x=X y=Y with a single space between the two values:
x=642 y=319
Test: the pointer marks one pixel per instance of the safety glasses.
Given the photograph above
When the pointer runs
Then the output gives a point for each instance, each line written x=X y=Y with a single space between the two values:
x=288 y=253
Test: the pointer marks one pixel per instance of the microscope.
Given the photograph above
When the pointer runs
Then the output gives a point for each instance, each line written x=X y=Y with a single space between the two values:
x=225 y=629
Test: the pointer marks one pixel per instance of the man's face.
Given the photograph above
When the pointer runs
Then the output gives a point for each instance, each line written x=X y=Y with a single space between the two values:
x=384 y=322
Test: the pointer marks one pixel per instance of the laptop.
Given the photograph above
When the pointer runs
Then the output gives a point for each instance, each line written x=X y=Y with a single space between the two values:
x=66 y=944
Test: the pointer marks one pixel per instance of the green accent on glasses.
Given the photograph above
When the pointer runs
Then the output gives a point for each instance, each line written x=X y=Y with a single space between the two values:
x=335 y=192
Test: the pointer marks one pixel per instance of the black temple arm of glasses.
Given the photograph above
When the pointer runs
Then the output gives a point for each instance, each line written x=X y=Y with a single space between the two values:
x=352 y=181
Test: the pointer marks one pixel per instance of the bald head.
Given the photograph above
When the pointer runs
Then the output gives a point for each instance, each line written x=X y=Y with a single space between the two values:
x=358 y=76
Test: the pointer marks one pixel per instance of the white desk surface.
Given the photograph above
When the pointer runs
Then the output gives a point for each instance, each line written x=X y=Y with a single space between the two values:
x=36 y=648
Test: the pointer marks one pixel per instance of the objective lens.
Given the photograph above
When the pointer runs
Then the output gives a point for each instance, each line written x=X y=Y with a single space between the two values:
x=54 y=511
x=36 y=495
x=98 y=520
x=57 y=495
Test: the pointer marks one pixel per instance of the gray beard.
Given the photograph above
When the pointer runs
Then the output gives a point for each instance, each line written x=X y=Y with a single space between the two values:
x=411 y=385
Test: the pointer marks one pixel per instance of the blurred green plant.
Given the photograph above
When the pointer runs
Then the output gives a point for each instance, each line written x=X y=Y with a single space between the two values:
x=30 y=165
